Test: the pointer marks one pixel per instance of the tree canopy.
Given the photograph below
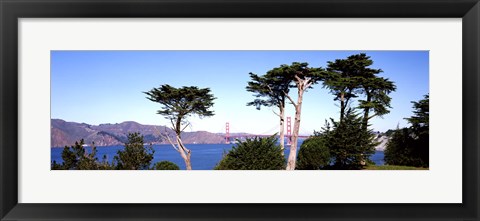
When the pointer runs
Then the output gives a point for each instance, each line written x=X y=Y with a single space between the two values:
x=350 y=144
x=177 y=105
x=420 y=118
x=410 y=146
x=351 y=78
x=271 y=89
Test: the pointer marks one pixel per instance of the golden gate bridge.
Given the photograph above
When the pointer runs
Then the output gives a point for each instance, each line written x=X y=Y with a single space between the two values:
x=288 y=136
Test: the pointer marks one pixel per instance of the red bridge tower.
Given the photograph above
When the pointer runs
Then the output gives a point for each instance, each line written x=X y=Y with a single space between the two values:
x=289 y=130
x=227 y=133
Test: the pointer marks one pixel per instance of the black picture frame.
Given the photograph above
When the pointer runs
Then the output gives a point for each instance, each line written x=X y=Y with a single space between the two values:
x=12 y=10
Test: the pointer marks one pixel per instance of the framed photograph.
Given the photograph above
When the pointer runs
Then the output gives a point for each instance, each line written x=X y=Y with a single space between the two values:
x=252 y=109
x=256 y=110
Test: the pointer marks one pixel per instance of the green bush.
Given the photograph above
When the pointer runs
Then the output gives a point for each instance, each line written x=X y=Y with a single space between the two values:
x=313 y=154
x=405 y=149
x=166 y=165
x=254 y=154
x=349 y=142
x=410 y=146
x=76 y=157
x=135 y=156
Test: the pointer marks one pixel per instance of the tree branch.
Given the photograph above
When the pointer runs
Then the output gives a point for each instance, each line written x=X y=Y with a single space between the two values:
x=158 y=131
x=171 y=142
x=173 y=124
x=183 y=146
x=291 y=100
x=374 y=115
x=269 y=88
x=308 y=83
x=298 y=78
x=276 y=113
x=185 y=127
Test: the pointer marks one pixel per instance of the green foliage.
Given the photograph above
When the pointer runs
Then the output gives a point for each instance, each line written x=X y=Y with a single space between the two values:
x=135 y=156
x=392 y=167
x=350 y=144
x=400 y=149
x=178 y=103
x=344 y=79
x=269 y=89
x=299 y=71
x=275 y=85
x=77 y=158
x=105 y=165
x=313 y=154
x=55 y=166
x=350 y=77
x=420 y=118
x=376 y=90
x=405 y=149
x=166 y=165
x=410 y=146
x=254 y=154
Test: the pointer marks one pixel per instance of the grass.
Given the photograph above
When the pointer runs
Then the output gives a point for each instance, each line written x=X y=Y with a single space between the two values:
x=393 y=167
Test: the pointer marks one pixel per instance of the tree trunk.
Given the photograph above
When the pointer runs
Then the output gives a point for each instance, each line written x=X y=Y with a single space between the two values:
x=292 y=157
x=282 y=129
x=184 y=153
x=366 y=112
x=342 y=106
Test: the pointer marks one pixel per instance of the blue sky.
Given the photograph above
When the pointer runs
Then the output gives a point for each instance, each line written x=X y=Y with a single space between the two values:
x=98 y=87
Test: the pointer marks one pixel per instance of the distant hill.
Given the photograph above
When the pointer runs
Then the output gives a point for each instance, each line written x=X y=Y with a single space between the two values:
x=65 y=133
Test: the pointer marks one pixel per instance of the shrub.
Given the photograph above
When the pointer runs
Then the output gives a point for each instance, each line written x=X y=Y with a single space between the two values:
x=76 y=157
x=254 y=154
x=166 y=165
x=135 y=156
x=410 y=146
x=404 y=150
x=313 y=154
x=350 y=144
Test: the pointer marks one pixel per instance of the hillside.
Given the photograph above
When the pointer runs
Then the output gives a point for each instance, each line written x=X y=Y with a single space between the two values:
x=66 y=133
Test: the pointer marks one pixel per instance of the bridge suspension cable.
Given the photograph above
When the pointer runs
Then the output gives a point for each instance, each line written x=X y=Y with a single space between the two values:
x=269 y=132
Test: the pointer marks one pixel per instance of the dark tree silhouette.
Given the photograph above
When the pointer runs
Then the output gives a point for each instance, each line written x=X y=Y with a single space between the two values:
x=410 y=146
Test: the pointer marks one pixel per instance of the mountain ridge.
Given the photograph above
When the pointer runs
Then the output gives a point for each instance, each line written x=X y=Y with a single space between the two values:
x=66 y=133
